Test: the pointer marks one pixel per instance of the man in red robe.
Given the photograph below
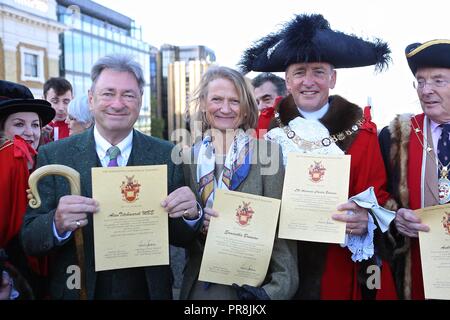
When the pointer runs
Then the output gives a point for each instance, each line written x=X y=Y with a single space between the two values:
x=269 y=90
x=59 y=92
x=308 y=51
x=411 y=152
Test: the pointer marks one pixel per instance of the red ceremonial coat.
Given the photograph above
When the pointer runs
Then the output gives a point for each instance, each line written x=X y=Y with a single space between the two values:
x=14 y=157
x=327 y=270
x=265 y=117
x=401 y=145
x=63 y=131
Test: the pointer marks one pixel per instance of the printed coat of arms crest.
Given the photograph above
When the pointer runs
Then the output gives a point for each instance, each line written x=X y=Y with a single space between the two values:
x=130 y=189
x=446 y=222
x=316 y=171
x=244 y=213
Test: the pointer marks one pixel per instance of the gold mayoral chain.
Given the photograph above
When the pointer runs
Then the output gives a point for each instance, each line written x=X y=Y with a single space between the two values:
x=443 y=181
x=325 y=142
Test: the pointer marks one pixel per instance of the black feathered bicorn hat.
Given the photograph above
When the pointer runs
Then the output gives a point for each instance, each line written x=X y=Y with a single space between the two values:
x=309 y=38
x=15 y=98
x=434 y=54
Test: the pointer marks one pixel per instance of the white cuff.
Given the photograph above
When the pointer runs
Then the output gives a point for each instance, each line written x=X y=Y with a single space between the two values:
x=60 y=239
x=361 y=247
x=191 y=222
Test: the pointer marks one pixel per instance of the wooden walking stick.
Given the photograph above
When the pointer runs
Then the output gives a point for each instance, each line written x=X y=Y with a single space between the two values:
x=35 y=202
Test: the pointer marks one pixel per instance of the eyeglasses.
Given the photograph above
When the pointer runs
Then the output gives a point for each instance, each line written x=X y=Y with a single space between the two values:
x=435 y=83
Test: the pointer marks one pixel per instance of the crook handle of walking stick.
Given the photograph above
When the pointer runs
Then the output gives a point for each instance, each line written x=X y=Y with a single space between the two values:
x=34 y=200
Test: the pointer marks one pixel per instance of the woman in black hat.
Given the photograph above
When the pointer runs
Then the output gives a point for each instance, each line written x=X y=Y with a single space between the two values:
x=21 y=120
x=21 y=114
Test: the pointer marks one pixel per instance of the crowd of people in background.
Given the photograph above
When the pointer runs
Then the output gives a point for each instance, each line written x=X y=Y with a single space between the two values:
x=406 y=166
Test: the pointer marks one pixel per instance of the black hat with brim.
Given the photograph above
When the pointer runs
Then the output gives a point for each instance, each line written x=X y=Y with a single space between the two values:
x=431 y=54
x=18 y=98
x=309 y=38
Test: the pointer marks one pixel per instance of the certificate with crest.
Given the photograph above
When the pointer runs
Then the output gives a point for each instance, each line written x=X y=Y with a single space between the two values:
x=240 y=240
x=435 y=251
x=313 y=187
x=131 y=228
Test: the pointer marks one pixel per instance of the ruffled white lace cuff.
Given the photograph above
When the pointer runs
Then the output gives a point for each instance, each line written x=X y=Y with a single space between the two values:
x=361 y=247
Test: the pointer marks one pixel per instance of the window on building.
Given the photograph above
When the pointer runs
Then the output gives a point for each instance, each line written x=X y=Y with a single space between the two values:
x=78 y=52
x=87 y=52
x=68 y=51
x=95 y=50
x=32 y=64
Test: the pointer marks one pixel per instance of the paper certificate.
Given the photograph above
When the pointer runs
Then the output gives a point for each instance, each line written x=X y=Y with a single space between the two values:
x=131 y=229
x=435 y=251
x=313 y=187
x=239 y=242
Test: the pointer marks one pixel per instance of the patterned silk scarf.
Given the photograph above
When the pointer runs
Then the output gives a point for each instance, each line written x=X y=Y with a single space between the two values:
x=235 y=170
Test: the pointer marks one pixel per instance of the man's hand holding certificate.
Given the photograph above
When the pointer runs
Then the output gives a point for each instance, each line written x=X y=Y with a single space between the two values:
x=131 y=228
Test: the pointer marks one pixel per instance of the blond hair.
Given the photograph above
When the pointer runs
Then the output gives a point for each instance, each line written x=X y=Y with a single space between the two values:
x=248 y=106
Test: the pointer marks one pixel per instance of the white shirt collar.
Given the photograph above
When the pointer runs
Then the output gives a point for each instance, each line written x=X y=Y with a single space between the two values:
x=102 y=145
x=435 y=126
x=314 y=115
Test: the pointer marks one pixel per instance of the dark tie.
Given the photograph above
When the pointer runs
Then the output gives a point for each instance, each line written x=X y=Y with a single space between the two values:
x=113 y=153
x=443 y=147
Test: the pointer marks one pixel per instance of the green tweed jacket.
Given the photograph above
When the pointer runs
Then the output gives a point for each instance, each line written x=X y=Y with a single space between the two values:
x=79 y=153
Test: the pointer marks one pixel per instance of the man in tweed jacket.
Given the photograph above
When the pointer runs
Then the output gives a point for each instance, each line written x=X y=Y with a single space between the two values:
x=115 y=99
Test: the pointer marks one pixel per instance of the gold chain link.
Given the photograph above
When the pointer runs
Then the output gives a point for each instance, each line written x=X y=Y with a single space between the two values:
x=325 y=142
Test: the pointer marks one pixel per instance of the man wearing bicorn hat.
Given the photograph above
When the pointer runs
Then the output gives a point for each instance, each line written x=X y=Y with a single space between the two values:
x=416 y=150
x=309 y=120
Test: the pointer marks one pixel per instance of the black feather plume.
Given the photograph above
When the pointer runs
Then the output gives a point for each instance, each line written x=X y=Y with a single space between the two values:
x=382 y=52
x=258 y=47
x=303 y=28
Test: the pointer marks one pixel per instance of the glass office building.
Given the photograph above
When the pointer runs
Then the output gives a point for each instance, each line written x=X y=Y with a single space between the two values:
x=94 y=31
x=169 y=54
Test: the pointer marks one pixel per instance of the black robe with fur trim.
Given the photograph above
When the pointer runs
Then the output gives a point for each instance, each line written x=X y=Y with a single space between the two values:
x=366 y=170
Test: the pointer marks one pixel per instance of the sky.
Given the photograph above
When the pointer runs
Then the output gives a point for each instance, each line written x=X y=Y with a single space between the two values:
x=230 y=26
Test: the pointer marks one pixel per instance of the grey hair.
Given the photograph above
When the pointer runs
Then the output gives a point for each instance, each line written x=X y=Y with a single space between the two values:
x=120 y=63
x=79 y=109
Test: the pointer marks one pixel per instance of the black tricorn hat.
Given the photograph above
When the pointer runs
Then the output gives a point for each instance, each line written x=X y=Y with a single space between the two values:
x=309 y=38
x=15 y=98
x=434 y=54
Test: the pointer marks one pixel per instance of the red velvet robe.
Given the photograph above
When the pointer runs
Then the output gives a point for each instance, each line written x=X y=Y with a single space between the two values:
x=14 y=158
x=63 y=131
x=339 y=280
x=13 y=185
x=415 y=157
x=265 y=117
x=339 y=277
